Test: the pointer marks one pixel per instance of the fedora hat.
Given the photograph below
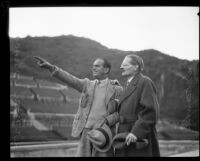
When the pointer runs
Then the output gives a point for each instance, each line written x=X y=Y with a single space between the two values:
x=118 y=141
x=101 y=138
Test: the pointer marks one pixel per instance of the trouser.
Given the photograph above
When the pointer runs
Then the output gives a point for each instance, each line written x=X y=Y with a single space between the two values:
x=85 y=148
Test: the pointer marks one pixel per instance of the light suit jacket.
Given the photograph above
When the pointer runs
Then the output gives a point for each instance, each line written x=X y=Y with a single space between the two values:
x=87 y=87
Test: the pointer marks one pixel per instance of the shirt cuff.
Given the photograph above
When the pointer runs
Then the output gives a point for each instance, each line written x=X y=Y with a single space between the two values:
x=55 y=69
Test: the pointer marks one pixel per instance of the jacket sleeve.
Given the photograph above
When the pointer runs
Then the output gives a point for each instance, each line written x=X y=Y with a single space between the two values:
x=69 y=79
x=148 y=116
x=118 y=91
x=113 y=117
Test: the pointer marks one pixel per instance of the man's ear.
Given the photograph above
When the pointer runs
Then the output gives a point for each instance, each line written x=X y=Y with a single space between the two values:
x=106 y=70
x=137 y=66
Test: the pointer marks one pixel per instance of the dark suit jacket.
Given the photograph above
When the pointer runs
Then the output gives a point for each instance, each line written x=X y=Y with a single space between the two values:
x=138 y=109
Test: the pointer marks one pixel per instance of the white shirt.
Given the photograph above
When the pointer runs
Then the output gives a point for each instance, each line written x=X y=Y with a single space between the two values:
x=98 y=109
x=129 y=80
x=102 y=82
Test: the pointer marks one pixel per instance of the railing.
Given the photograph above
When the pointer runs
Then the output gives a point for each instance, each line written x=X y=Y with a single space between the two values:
x=194 y=153
x=168 y=148
x=44 y=149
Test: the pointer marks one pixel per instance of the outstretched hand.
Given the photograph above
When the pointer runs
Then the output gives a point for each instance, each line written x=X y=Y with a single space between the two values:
x=43 y=63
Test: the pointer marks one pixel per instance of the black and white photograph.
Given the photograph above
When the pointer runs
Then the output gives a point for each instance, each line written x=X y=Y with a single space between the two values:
x=104 y=81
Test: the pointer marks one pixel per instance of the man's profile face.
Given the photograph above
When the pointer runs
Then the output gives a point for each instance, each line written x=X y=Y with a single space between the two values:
x=128 y=69
x=98 y=69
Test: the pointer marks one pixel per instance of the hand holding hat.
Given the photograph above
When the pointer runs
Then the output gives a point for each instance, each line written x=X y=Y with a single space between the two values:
x=119 y=141
x=130 y=138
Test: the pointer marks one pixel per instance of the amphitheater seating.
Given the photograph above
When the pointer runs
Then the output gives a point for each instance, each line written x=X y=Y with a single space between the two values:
x=65 y=132
x=61 y=125
x=55 y=121
x=12 y=104
x=53 y=105
x=30 y=133
x=171 y=133
x=167 y=131
x=71 y=94
x=59 y=128
x=25 y=83
x=12 y=108
x=48 y=94
x=50 y=107
x=24 y=77
x=21 y=92
x=11 y=83
x=49 y=85
x=12 y=75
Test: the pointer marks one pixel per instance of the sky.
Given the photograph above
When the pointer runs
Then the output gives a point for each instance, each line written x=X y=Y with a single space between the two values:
x=171 y=30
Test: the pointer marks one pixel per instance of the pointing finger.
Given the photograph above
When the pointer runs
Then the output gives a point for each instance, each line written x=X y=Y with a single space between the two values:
x=39 y=59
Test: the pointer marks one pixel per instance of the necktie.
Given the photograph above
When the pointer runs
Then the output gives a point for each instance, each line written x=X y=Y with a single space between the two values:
x=98 y=82
x=126 y=85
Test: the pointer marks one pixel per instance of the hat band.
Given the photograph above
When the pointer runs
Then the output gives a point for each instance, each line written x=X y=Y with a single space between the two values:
x=106 y=136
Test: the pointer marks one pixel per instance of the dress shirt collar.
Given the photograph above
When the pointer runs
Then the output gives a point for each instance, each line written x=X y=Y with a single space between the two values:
x=102 y=82
x=130 y=79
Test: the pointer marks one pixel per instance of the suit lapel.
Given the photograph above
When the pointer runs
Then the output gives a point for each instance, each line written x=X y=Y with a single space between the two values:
x=109 y=92
x=130 y=89
x=91 y=90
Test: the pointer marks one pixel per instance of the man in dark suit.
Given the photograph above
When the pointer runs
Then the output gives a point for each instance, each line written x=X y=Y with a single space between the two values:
x=138 y=109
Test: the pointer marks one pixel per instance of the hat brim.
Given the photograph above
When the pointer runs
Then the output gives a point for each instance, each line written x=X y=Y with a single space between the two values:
x=118 y=141
x=108 y=145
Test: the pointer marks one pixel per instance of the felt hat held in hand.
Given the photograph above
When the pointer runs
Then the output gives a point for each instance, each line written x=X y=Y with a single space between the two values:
x=119 y=142
x=101 y=138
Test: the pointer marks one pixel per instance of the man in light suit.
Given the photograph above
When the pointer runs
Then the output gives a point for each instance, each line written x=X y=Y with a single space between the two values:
x=96 y=97
x=138 y=109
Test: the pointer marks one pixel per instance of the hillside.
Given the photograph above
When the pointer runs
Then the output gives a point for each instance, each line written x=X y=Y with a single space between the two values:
x=177 y=80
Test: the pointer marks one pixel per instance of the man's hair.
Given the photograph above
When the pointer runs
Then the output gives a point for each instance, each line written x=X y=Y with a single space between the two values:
x=135 y=59
x=106 y=64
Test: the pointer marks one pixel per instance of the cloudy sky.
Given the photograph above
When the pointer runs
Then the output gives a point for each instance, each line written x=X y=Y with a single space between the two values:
x=171 y=30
